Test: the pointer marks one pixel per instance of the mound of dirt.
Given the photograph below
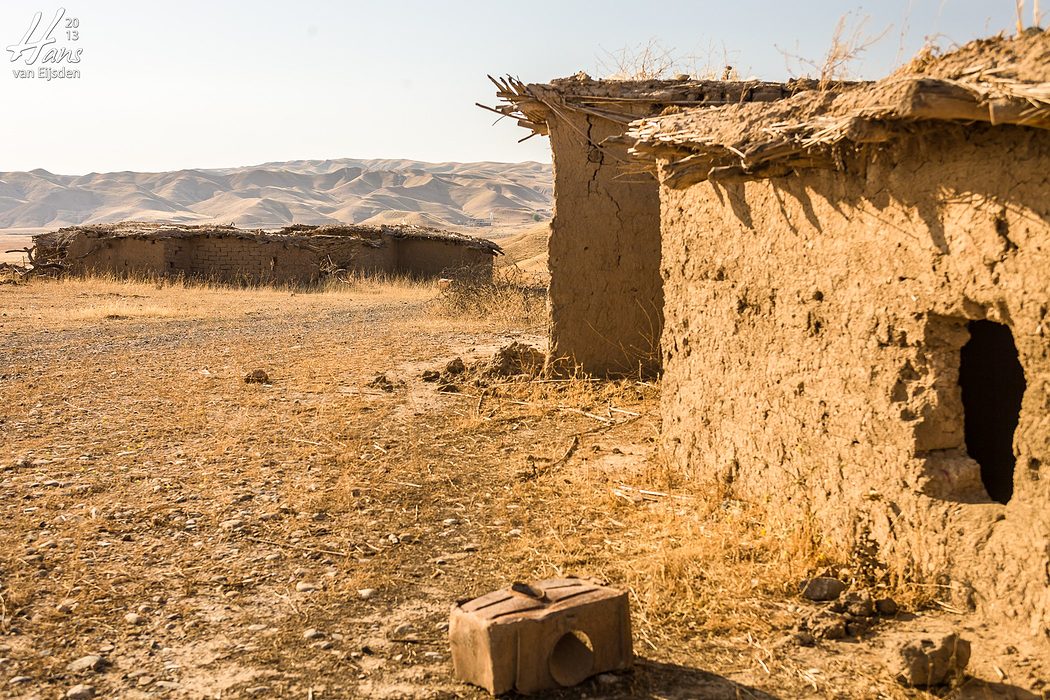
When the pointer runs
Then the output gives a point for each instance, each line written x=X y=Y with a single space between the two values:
x=514 y=360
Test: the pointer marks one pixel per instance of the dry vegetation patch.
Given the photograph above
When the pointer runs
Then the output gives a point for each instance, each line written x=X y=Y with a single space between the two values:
x=206 y=536
x=509 y=297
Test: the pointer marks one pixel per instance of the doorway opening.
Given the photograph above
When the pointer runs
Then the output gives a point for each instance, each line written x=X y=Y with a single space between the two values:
x=992 y=383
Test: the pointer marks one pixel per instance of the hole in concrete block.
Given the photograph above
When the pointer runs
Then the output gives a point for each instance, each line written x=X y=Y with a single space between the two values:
x=572 y=659
x=992 y=383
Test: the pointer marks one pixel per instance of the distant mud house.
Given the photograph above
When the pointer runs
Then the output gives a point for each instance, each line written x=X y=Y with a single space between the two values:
x=857 y=315
x=293 y=255
x=606 y=294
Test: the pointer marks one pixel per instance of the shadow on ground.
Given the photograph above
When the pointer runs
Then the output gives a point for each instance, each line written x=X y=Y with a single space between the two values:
x=975 y=689
x=653 y=679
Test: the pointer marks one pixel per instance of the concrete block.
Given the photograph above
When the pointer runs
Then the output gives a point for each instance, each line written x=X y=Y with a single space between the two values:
x=530 y=638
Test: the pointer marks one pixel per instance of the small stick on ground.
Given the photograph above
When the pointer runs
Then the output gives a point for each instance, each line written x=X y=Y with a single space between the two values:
x=573 y=444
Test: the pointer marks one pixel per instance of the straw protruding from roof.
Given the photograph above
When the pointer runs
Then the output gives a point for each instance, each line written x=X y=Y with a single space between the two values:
x=995 y=81
x=534 y=105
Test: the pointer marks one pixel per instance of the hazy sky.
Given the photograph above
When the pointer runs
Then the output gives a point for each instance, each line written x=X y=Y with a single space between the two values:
x=167 y=85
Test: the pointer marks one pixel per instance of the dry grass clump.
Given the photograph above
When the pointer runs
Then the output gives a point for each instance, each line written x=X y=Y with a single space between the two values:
x=687 y=557
x=654 y=61
x=686 y=550
x=509 y=297
x=377 y=283
x=649 y=61
x=849 y=41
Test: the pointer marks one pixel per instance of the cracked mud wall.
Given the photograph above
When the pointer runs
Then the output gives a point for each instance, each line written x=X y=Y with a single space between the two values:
x=606 y=295
x=812 y=350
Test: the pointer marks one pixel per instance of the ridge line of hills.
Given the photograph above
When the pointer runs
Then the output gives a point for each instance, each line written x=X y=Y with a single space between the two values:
x=460 y=196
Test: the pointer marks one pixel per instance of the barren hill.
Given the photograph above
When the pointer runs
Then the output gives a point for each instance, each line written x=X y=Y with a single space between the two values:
x=346 y=190
x=527 y=249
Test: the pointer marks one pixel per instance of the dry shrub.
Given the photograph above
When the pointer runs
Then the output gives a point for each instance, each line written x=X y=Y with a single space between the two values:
x=507 y=297
x=848 y=42
x=11 y=273
x=654 y=61
x=649 y=61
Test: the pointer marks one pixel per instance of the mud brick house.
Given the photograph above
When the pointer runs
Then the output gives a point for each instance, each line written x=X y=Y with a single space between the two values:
x=856 y=296
x=606 y=294
x=293 y=255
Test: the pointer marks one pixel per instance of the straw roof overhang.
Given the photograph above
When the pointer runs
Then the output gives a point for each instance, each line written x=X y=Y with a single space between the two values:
x=994 y=81
x=298 y=235
x=535 y=105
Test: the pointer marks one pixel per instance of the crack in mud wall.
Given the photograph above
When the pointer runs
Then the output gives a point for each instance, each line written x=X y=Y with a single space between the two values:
x=606 y=295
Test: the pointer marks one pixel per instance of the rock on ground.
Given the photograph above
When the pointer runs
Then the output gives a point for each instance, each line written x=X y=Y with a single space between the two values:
x=823 y=588
x=927 y=663
x=91 y=662
x=80 y=692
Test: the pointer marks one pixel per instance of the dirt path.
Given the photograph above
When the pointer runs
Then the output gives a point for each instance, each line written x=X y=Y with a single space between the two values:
x=305 y=538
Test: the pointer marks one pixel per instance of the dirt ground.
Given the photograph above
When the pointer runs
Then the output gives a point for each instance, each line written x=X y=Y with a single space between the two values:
x=306 y=537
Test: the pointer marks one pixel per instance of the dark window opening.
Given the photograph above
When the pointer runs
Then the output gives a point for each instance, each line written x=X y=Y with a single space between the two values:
x=992 y=383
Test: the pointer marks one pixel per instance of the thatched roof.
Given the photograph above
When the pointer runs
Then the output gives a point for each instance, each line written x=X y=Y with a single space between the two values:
x=298 y=235
x=623 y=101
x=995 y=81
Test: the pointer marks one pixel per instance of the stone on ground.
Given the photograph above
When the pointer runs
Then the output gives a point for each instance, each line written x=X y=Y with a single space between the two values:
x=91 y=662
x=80 y=692
x=823 y=588
x=926 y=662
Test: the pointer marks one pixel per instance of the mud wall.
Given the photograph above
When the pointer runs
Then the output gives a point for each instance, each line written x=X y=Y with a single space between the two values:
x=126 y=256
x=356 y=255
x=241 y=260
x=429 y=258
x=606 y=295
x=245 y=260
x=812 y=353
x=222 y=259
